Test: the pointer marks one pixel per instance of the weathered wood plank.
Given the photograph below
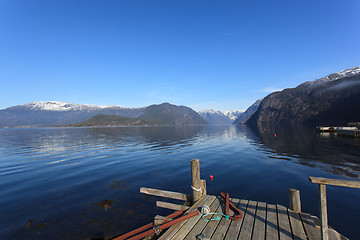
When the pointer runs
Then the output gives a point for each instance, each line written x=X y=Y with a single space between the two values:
x=165 y=194
x=311 y=231
x=335 y=182
x=296 y=225
x=224 y=224
x=200 y=225
x=211 y=226
x=234 y=228
x=333 y=234
x=284 y=224
x=271 y=223
x=171 y=206
x=248 y=224
x=177 y=227
x=260 y=221
x=190 y=223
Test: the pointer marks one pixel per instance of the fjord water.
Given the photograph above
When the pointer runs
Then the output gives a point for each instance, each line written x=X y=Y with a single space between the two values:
x=83 y=183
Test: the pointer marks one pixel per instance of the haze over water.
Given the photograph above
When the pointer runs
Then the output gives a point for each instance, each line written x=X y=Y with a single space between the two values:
x=78 y=183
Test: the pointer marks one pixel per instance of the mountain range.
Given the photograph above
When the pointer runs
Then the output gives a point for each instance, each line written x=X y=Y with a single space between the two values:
x=331 y=100
x=218 y=117
x=53 y=113
x=248 y=113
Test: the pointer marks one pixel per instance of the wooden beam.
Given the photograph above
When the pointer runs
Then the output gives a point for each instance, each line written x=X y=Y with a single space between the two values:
x=172 y=206
x=335 y=182
x=165 y=194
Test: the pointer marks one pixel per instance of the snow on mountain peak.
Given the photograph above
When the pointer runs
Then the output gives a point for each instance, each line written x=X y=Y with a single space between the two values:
x=232 y=115
x=63 y=106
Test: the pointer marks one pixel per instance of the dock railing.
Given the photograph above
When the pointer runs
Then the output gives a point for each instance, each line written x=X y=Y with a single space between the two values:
x=322 y=198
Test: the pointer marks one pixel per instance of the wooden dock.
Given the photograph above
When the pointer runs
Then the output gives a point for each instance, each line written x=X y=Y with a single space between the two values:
x=260 y=221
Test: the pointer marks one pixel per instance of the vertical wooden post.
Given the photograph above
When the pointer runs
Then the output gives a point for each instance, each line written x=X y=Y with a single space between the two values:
x=294 y=200
x=195 y=179
x=203 y=187
x=323 y=212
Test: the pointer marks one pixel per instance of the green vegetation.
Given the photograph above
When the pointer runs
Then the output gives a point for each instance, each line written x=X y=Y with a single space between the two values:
x=105 y=120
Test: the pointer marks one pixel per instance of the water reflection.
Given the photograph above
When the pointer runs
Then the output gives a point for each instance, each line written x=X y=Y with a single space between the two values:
x=336 y=154
x=70 y=139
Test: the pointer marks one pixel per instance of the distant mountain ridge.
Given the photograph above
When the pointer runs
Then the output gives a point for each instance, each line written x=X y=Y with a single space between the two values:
x=54 y=113
x=248 y=113
x=218 y=117
x=331 y=100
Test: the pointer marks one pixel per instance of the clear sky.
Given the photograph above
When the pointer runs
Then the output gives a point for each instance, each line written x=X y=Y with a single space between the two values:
x=204 y=54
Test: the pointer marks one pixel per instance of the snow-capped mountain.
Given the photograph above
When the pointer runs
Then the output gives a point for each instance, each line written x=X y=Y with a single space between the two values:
x=248 y=113
x=348 y=73
x=54 y=113
x=332 y=100
x=218 y=117
x=63 y=106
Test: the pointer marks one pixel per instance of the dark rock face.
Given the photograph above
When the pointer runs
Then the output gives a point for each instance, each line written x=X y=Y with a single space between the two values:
x=333 y=100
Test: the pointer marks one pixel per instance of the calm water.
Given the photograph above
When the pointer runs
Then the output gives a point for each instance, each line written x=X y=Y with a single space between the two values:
x=83 y=183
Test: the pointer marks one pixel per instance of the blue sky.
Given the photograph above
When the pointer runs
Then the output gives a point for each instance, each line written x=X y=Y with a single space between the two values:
x=203 y=54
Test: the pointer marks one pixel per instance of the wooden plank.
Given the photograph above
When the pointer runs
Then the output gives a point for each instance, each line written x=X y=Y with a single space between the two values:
x=197 y=229
x=224 y=224
x=165 y=194
x=311 y=231
x=190 y=223
x=171 y=206
x=333 y=234
x=211 y=226
x=234 y=228
x=296 y=225
x=284 y=224
x=260 y=221
x=335 y=182
x=174 y=229
x=248 y=224
x=271 y=223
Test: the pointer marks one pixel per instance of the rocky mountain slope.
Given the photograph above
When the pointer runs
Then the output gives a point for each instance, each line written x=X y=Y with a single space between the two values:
x=248 y=113
x=218 y=117
x=332 y=100
x=168 y=114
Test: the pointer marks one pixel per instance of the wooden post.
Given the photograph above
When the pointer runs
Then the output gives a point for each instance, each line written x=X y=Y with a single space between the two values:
x=203 y=187
x=323 y=212
x=294 y=200
x=195 y=179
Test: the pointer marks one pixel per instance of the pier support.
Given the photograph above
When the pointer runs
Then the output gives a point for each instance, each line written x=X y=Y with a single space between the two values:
x=195 y=179
x=323 y=212
x=294 y=200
